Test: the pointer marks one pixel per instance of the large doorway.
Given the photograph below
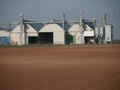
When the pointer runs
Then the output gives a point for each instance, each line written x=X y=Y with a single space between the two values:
x=32 y=40
x=46 y=38
x=70 y=39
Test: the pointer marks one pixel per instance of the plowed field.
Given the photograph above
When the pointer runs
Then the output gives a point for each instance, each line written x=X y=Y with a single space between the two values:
x=60 y=68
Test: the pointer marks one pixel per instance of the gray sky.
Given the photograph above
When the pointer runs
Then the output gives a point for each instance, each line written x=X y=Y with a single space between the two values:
x=45 y=10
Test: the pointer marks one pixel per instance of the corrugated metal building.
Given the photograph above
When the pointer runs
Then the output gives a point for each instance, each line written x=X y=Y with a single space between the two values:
x=81 y=34
x=29 y=34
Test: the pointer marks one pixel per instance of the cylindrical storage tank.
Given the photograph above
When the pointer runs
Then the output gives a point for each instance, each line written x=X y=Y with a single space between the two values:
x=97 y=31
x=101 y=31
x=108 y=33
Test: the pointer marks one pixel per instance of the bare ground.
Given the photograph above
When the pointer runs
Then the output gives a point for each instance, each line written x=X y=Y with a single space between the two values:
x=60 y=68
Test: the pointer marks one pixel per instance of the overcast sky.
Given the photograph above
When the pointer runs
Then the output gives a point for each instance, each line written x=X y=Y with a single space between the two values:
x=45 y=10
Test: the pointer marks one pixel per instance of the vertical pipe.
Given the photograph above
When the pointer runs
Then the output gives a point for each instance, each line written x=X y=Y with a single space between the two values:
x=63 y=26
x=104 y=19
x=21 y=28
x=81 y=28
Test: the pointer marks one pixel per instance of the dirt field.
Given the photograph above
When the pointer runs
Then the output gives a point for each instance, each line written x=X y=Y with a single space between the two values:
x=60 y=68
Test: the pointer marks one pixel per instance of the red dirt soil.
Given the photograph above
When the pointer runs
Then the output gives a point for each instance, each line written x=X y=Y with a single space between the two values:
x=60 y=68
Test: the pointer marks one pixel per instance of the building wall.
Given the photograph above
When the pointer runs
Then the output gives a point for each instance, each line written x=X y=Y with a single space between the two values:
x=89 y=33
x=16 y=36
x=4 y=37
x=74 y=29
x=4 y=33
x=80 y=38
x=59 y=38
x=15 y=39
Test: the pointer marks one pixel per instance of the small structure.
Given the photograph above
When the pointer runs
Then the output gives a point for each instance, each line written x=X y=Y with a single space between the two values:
x=4 y=37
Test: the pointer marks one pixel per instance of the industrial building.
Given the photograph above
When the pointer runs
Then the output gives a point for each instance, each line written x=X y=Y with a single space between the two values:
x=104 y=32
x=57 y=32
x=29 y=36
x=82 y=34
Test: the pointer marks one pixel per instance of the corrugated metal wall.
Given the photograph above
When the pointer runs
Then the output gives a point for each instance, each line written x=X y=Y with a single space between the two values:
x=4 y=40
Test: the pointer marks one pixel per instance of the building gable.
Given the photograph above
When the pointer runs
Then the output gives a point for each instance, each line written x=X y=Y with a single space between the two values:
x=51 y=28
x=16 y=29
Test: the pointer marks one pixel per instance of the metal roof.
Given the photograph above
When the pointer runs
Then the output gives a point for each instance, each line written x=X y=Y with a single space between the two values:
x=89 y=23
x=66 y=24
x=37 y=26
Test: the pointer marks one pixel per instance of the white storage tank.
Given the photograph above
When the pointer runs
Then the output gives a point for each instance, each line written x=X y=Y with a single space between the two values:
x=97 y=31
x=108 y=33
x=101 y=31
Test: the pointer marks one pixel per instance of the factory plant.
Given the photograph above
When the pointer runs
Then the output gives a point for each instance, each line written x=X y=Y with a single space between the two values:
x=58 y=32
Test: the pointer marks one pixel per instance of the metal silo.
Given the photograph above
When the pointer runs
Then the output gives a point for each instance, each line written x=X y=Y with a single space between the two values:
x=101 y=31
x=108 y=33
x=96 y=31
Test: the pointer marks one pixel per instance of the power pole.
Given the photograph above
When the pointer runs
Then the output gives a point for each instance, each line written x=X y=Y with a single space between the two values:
x=63 y=20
